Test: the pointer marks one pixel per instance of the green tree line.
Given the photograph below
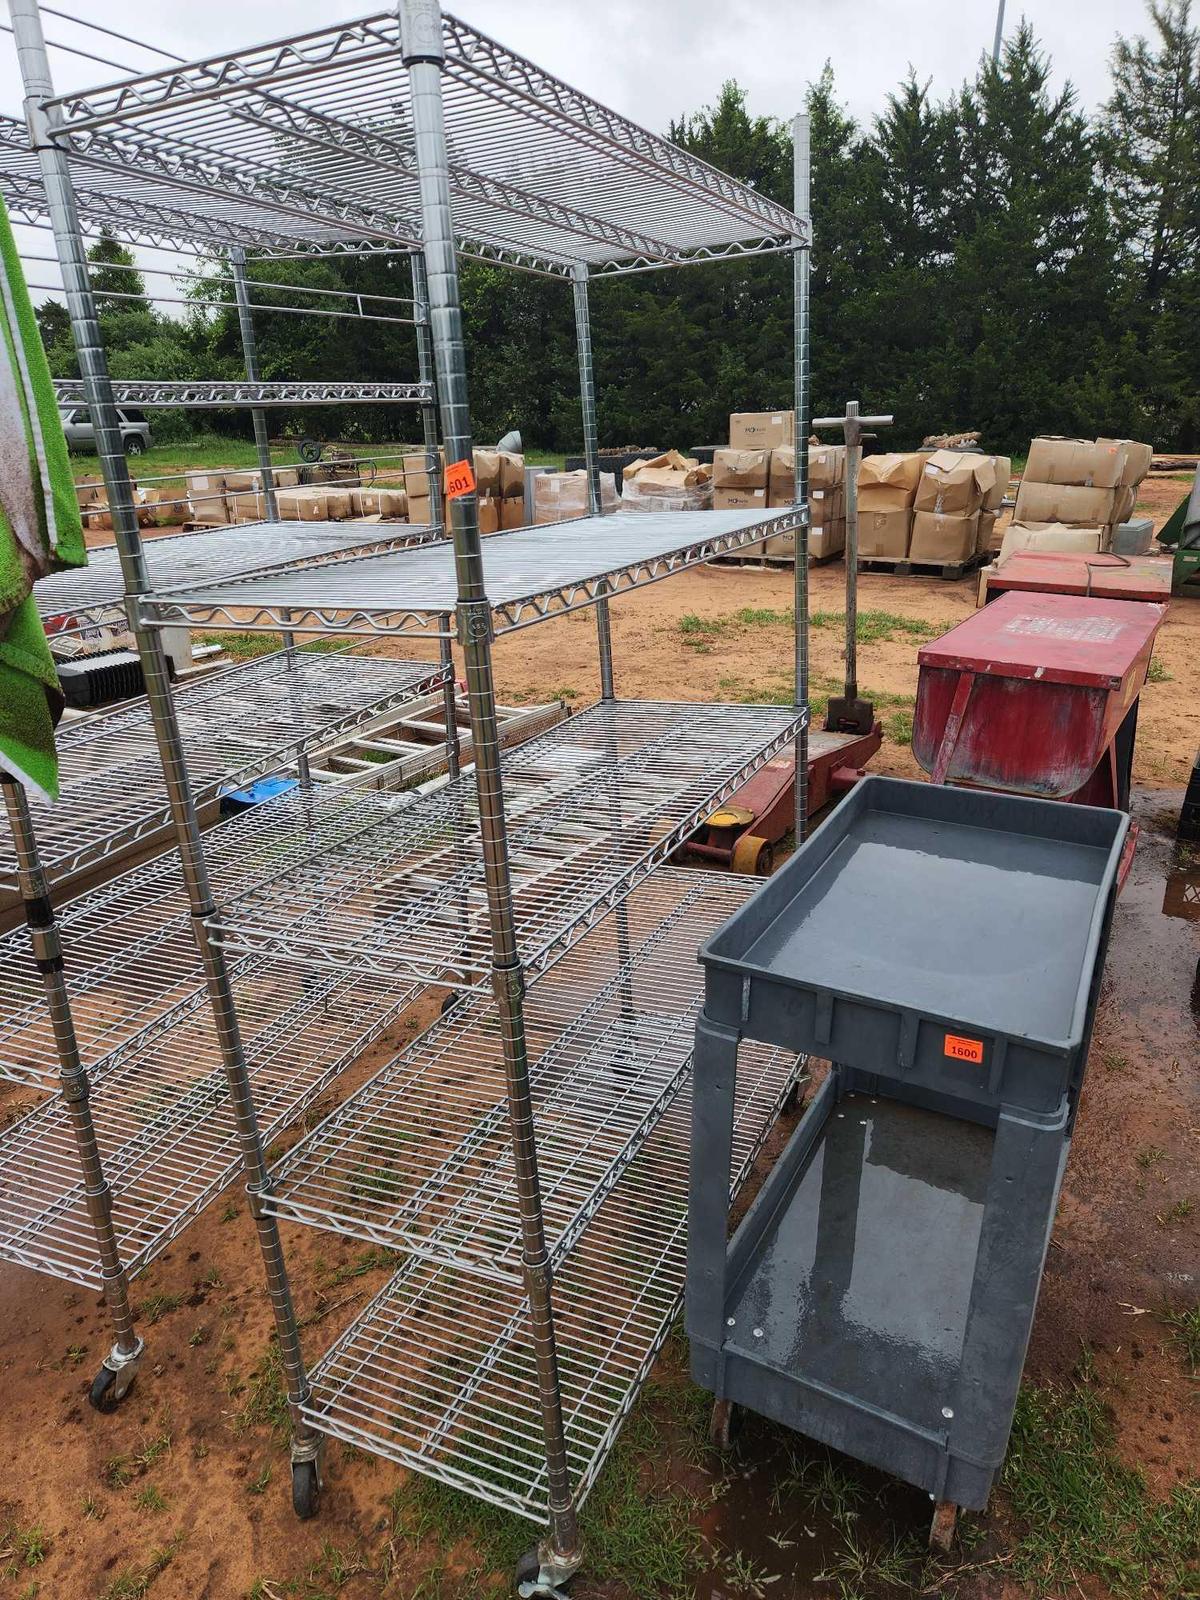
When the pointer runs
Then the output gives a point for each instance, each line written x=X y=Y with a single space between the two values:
x=994 y=260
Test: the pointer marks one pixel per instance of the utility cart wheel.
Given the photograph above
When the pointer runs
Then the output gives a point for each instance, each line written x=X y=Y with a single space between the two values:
x=724 y=1425
x=530 y=1583
x=110 y=1387
x=941 y=1529
x=791 y=1100
x=306 y=1489
x=753 y=856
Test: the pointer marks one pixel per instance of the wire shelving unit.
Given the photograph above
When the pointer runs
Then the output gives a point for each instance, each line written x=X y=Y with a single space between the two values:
x=213 y=393
x=542 y=1217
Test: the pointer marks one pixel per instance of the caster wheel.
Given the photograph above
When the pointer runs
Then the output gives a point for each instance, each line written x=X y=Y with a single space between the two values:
x=791 y=1101
x=449 y=1002
x=109 y=1388
x=724 y=1425
x=306 y=1489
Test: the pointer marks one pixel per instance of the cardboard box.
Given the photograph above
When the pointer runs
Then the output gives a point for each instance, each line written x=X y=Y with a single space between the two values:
x=761 y=430
x=937 y=536
x=884 y=533
x=1082 y=463
x=378 y=502
x=487 y=472
x=512 y=511
x=489 y=513
x=338 y=505
x=206 y=496
x=512 y=475
x=558 y=496
x=1125 y=502
x=986 y=537
x=1069 y=503
x=889 y=482
x=242 y=482
x=1051 y=536
x=739 y=499
x=954 y=483
x=90 y=491
x=302 y=505
x=669 y=482
x=247 y=507
x=826 y=465
x=741 y=469
x=1138 y=457
x=994 y=498
x=827 y=541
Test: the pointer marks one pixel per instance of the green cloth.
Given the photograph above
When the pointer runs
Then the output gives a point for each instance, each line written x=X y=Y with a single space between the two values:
x=40 y=531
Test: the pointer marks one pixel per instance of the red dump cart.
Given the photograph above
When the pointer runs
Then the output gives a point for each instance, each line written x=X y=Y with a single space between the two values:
x=1037 y=694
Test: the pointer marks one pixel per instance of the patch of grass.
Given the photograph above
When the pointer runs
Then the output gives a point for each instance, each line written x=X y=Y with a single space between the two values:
x=1157 y=673
x=1149 y=1157
x=134 y=1583
x=1113 y=1061
x=258 y=1485
x=1175 y=1214
x=266 y=1397
x=1185 y=1332
x=117 y=1472
x=23 y=1547
x=873 y=626
x=231 y=1212
x=899 y=727
x=249 y=646
x=199 y=1337
x=764 y=617
x=690 y=624
x=1085 y=1513
x=151 y=1498
x=860 y=1568
x=158 y=1306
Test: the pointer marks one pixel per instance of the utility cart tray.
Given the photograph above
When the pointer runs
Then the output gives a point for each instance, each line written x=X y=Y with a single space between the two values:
x=944 y=935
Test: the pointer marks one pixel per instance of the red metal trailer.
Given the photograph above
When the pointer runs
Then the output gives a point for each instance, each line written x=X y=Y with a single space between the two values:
x=1106 y=577
x=1037 y=694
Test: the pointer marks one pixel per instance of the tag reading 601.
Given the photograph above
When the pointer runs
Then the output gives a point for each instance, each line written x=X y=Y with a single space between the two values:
x=959 y=1049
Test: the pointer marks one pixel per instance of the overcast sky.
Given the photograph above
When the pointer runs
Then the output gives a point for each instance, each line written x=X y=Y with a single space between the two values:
x=651 y=61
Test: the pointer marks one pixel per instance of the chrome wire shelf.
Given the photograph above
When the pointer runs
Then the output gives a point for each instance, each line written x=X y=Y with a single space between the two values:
x=163 y=1119
x=437 y=1373
x=529 y=574
x=96 y=593
x=419 y=1159
x=593 y=805
x=313 y=135
x=202 y=394
x=239 y=724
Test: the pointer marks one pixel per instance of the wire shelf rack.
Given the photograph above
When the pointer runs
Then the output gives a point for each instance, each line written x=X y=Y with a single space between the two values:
x=239 y=724
x=419 y=1158
x=163 y=1119
x=593 y=806
x=530 y=574
x=314 y=136
x=437 y=1373
x=200 y=394
x=95 y=593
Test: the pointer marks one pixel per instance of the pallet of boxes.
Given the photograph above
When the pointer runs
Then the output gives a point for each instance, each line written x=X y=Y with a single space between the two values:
x=499 y=487
x=563 y=496
x=669 y=482
x=756 y=471
x=925 y=509
x=1074 y=493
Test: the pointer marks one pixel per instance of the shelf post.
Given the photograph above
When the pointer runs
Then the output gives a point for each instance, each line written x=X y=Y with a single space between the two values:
x=591 y=456
x=426 y=371
x=559 y=1555
x=85 y=328
x=800 y=286
x=262 y=443
x=121 y=1364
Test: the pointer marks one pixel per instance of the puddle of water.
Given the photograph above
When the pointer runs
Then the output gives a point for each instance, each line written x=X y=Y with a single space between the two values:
x=1154 y=966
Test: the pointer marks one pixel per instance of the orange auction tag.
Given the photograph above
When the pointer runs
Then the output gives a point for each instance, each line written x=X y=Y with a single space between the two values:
x=460 y=480
x=964 y=1049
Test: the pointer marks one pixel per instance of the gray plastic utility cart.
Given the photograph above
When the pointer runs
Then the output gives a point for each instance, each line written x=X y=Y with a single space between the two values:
x=943 y=948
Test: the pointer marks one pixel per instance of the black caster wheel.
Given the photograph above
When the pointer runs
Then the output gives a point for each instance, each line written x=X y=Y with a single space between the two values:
x=108 y=1389
x=724 y=1425
x=791 y=1100
x=449 y=1001
x=306 y=1489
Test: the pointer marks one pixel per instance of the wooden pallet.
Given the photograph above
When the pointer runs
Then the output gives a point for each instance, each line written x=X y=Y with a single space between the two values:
x=905 y=567
x=772 y=563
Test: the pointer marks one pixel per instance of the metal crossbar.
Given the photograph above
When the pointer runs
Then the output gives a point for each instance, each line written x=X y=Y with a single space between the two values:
x=96 y=593
x=313 y=136
x=530 y=574
x=199 y=394
x=239 y=724
x=437 y=1372
x=593 y=806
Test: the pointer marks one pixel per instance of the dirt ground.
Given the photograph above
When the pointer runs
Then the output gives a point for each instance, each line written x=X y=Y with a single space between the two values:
x=182 y=1494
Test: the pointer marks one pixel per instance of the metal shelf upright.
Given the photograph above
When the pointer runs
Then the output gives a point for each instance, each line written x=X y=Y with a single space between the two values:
x=401 y=130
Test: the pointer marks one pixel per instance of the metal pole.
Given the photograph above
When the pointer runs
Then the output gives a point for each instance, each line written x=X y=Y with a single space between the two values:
x=115 y=1378
x=429 y=426
x=559 y=1555
x=999 y=38
x=591 y=456
x=262 y=443
x=800 y=294
x=68 y=238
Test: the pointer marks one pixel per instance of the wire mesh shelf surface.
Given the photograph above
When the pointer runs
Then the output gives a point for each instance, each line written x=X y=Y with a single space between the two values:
x=203 y=393
x=529 y=574
x=97 y=591
x=163 y=1118
x=239 y=724
x=592 y=806
x=438 y=1372
x=314 y=136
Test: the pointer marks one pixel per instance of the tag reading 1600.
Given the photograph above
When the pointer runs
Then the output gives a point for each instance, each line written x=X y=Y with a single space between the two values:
x=960 y=1049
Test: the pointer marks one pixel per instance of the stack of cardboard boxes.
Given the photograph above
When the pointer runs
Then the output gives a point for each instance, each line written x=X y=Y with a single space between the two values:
x=826 y=500
x=1074 y=492
x=560 y=496
x=155 y=507
x=669 y=482
x=956 y=505
x=499 y=484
